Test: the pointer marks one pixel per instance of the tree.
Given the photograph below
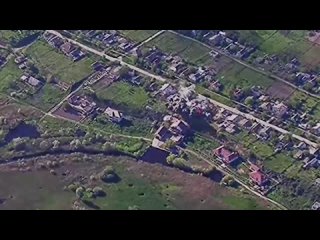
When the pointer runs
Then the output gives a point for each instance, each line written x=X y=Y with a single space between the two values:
x=170 y=159
x=169 y=144
x=249 y=101
x=66 y=107
x=80 y=192
x=98 y=192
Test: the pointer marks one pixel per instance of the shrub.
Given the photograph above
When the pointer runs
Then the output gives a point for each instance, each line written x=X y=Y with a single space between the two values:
x=98 y=192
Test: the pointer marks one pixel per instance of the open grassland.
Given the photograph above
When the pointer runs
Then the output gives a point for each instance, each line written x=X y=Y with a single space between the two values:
x=139 y=186
x=8 y=75
x=138 y=35
x=189 y=50
x=51 y=62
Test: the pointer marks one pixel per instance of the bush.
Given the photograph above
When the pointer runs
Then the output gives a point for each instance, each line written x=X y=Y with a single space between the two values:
x=98 y=192
x=108 y=170
x=72 y=187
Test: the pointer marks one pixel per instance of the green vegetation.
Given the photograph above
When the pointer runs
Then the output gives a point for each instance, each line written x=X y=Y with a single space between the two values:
x=47 y=97
x=51 y=62
x=138 y=35
x=171 y=43
x=215 y=96
x=199 y=143
x=9 y=74
x=262 y=150
x=237 y=75
x=241 y=203
x=122 y=93
x=278 y=163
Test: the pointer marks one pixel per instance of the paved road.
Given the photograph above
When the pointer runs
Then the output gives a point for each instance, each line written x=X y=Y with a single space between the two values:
x=248 y=65
x=112 y=59
x=264 y=123
x=233 y=110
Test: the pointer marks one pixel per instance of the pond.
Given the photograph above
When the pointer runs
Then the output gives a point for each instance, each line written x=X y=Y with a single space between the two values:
x=22 y=130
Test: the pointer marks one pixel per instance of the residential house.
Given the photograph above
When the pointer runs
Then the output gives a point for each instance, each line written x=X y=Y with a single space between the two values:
x=316 y=206
x=82 y=104
x=114 y=115
x=258 y=177
x=279 y=109
x=76 y=55
x=33 y=82
x=226 y=155
x=215 y=86
x=245 y=123
x=67 y=48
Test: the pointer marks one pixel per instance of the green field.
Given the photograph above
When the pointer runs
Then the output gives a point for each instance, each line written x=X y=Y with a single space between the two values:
x=47 y=97
x=262 y=150
x=49 y=61
x=242 y=203
x=236 y=75
x=215 y=96
x=125 y=94
x=8 y=75
x=202 y=144
x=278 y=163
x=171 y=43
x=138 y=35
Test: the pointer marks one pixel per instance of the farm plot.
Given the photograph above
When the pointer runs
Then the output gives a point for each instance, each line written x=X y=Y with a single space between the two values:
x=51 y=62
x=238 y=76
x=124 y=94
x=138 y=35
x=9 y=74
x=280 y=90
x=278 y=163
x=189 y=50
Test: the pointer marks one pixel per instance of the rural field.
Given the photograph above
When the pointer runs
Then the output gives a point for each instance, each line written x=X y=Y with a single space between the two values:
x=138 y=186
x=138 y=35
x=189 y=50
x=236 y=75
x=9 y=74
x=50 y=62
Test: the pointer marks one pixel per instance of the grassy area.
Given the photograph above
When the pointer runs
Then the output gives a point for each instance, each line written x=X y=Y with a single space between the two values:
x=202 y=144
x=125 y=94
x=171 y=43
x=237 y=75
x=205 y=92
x=33 y=190
x=262 y=150
x=47 y=97
x=291 y=44
x=295 y=171
x=8 y=75
x=49 y=61
x=242 y=203
x=278 y=163
x=138 y=35
x=137 y=127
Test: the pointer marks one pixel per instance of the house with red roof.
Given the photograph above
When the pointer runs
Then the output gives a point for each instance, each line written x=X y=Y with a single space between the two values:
x=226 y=155
x=258 y=177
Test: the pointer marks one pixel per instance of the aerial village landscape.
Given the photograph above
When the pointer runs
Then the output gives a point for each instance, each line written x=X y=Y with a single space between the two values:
x=160 y=119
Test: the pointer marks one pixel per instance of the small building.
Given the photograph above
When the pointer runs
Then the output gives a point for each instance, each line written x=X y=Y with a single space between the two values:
x=114 y=115
x=316 y=206
x=258 y=177
x=279 y=109
x=67 y=48
x=82 y=104
x=226 y=155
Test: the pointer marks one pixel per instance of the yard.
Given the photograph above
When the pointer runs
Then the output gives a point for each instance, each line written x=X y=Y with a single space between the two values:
x=199 y=143
x=138 y=35
x=125 y=94
x=8 y=75
x=262 y=150
x=237 y=75
x=51 y=62
x=171 y=43
x=278 y=163
x=47 y=97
